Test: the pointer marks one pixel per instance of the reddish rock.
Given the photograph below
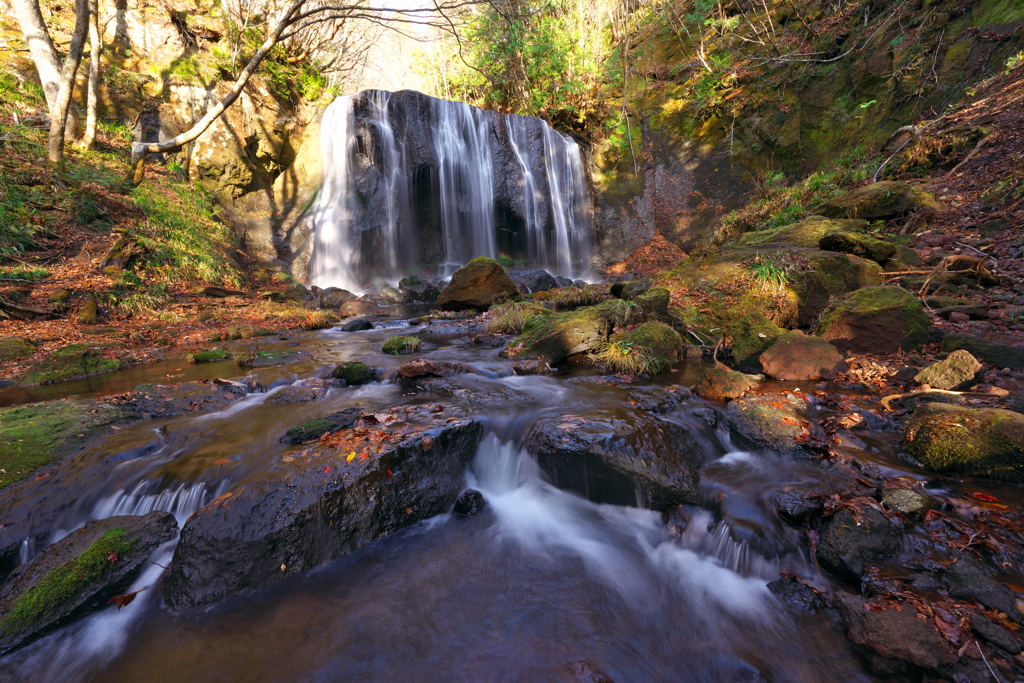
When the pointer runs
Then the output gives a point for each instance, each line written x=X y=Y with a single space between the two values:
x=719 y=384
x=796 y=356
x=421 y=368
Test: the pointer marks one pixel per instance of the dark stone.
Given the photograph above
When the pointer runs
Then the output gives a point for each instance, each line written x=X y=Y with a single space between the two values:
x=656 y=399
x=994 y=634
x=709 y=415
x=968 y=579
x=333 y=297
x=623 y=459
x=530 y=281
x=357 y=325
x=492 y=340
x=797 y=594
x=631 y=290
x=312 y=508
x=797 y=506
x=773 y=422
x=315 y=428
x=417 y=289
x=124 y=542
x=471 y=502
x=847 y=546
x=353 y=373
x=297 y=394
x=531 y=367
x=584 y=673
x=421 y=368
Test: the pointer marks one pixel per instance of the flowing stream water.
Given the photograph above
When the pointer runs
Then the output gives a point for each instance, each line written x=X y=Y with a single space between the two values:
x=540 y=581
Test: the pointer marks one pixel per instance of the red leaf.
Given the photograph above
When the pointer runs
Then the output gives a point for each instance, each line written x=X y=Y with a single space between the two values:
x=387 y=473
x=985 y=497
x=327 y=469
x=124 y=600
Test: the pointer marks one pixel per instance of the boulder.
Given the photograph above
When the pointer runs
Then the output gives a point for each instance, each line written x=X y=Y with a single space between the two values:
x=858 y=244
x=422 y=368
x=969 y=579
x=531 y=367
x=958 y=370
x=751 y=336
x=654 y=301
x=907 y=501
x=317 y=427
x=471 y=502
x=333 y=297
x=353 y=373
x=797 y=594
x=994 y=634
x=417 y=289
x=767 y=422
x=530 y=281
x=322 y=502
x=987 y=442
x=556 y=337
x=878 y=320
x=881 y=200
x=13 y=348
x=69 y=362
x=718 y=384
x=78 y=574
x=847 y=545
x=477 y=285
x=1000 y=355
x=796 y=356
x=806 y=233
x=358 y=308
x=620 y=458
x=357 y=325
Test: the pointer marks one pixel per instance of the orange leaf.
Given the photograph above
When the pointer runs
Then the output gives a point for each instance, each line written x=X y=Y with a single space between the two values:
x=124 y=600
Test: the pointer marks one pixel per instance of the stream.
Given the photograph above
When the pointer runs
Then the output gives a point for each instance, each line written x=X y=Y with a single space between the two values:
x=543 y=585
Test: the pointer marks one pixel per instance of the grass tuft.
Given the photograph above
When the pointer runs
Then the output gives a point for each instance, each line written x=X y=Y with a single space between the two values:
x=625 y=358
x=509 y=318
x=397 y=345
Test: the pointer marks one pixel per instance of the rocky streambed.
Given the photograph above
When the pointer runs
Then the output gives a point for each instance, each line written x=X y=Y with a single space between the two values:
x=450 y=514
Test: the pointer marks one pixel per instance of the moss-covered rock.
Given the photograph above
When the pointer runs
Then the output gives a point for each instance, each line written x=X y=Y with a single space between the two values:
x=399 y=344
x=89 y=312
x=987 y=442
x=885 y=199
x=211 y=356
x=796 y=356
x=353 y=373
x=905 y=258
x=882 y=319
x=654 y=345
x=655 y=301
x=77 y=574
x=60 y=300
x=999 y=355
x=772 y=422
x=13 y=348
x=957 y=371
x=751 y=336
x=719 y=384
x=807 y=233
x=556 y=337
x=477 y=285
x=315 y=428
x=858 y=244
x=69 y=362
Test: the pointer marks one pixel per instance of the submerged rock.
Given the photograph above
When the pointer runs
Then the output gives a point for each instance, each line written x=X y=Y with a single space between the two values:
x=987 y=442
x=881 y=200
x=77 y=574
x=849 y=544
x=719 y=384
x=317 y=427
x=471 y=502
x=876 y=320
x=623 y=459
x=796 y=356
x=958 y=370
x=477 y=285
x=321 y=503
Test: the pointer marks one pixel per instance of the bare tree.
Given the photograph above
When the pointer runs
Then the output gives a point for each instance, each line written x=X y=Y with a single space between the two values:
x=298 y=21
x=59 y=114
x=95 y=50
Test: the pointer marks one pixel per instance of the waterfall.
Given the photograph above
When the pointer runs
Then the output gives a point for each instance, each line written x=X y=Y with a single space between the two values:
x=413 y=183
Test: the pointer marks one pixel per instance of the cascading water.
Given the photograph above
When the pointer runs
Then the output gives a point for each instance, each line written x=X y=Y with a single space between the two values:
x=411 y=180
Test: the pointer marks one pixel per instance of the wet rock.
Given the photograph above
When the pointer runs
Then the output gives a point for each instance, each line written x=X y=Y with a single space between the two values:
x=556 y=337
x=477 y=285
x=357 y=325
x=172 y=400
x=317 y=427
x=858 y=244
x=798 y=506
x=847 y=544
x=584 y=673
x=806 y=233
x=353 y=373
x=492 y=340
x=297 y=394
x=717 y=384
x=318 y=504
x=78 y=574
x=999 y=355
x=709 y=415
x=876 y=320
x=656 y=399
x=959 y=370
x=531 y=367
x=390 y=295
x=986 y=442
x=530 y=281
x=906 y=501
x=476 y=392
x=422 y=368
x=418 y=289
x=969 y=579
x=334 y=297
x=357 y=308
x=471 y=502
x=69 y=362
x=797 y=594
x=994 y=634
x=12 y=348
x=769 y=422
x=796 y=356
x=881 y=200
x=619 y=458
x=893 y=640
x=676 y=519
x=751 y=336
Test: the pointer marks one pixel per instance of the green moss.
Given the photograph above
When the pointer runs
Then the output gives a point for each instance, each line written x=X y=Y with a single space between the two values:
x=806 y=233
x=63 y=582
x=353 y=373
x=556 y=337
x=751 y=336
x=987 y=442
x=208 y=356
x=894 y=307
x=89 y=312
x=12 y=348
x=69 y=362
x=654 y=344
x=398 y=345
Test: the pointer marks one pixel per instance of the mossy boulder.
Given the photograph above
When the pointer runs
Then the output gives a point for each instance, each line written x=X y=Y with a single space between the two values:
x=751 y=336
x=317 y=427
x=858 y=244
x=556 y=337
x=657 y=340
x=89 y=312
x=13 y=348
x=69 y=362
x=78 y=574
x=987 y=442
x=60 y=300
x=957 y=371
x=796 y=356
x=881 y=200
x=905 y=258
x=353 y=373
x=477 y=285
x=882 y=319
x=655 y=301
x=807 y=233
x=1000 y=355
x=211 y=356
x=719 y=384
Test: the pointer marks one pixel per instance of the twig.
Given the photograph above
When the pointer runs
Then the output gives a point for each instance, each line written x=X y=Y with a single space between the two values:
x=925 y=389
x=977 y=148
x=989 y=666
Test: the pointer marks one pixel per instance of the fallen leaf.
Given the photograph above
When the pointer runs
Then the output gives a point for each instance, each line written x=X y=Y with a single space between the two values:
x=222 y=461
x=985 y=497
x=124 y=600
x=351 y=457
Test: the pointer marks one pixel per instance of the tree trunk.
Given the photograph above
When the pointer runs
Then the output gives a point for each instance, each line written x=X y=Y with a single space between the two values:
x=59 y=114
x=33 y=30
x=95 y=49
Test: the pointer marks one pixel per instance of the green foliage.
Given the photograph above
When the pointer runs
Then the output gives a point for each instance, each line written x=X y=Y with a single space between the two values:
x=568 y=298
x=1013 y=62
x=397 y=345
x=31 y=274
x=63 y=582
x=770 y=272
x=211 y=356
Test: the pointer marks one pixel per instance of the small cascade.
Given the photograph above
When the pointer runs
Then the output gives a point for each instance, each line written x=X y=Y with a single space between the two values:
x=412 y=181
